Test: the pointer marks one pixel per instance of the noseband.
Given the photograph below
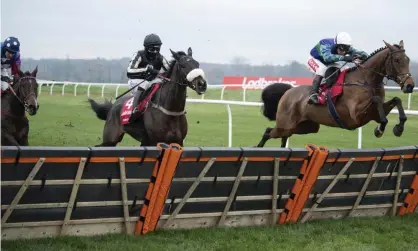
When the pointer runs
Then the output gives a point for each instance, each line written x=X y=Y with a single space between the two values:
x=397 y=79
x=184 y=81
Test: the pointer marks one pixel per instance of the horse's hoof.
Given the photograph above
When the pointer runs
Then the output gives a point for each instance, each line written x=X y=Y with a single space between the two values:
x=377 y=132
x=398 y=130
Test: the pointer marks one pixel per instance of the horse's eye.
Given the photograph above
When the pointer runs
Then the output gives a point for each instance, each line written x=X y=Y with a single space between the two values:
x=397 y=60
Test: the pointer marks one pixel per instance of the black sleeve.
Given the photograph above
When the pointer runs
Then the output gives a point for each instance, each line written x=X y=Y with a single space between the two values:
x=134 y=71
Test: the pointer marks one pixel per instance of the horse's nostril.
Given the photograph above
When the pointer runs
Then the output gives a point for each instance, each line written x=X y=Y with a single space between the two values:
x=409 y=88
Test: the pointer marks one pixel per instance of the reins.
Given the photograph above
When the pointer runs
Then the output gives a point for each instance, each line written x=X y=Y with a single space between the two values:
x=393 y=78
x=18 y=86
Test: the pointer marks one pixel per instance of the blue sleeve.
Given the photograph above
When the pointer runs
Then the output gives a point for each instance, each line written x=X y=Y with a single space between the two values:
x=325 y=52
x=353 y=51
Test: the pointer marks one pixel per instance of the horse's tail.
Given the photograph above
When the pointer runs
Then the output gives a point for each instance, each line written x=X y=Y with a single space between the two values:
x=270 y=97
x=101 y=110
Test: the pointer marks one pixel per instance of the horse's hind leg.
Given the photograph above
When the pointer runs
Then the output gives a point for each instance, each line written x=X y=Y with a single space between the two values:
x=112 y=134
x=272 y=133
x=265 y=138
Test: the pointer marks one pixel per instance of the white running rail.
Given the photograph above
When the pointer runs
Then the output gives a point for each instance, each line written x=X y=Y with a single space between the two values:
x=63 y=84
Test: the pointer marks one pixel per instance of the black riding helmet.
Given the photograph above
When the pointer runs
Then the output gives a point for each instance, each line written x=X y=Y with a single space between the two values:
x=152 y=44
x=152 y=40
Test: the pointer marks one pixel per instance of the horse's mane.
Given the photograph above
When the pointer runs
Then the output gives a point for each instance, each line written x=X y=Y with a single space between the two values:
x=371 y=55
x=24 y=74
x=168 y=73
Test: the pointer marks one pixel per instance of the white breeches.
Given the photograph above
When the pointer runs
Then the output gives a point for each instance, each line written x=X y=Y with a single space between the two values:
x=144 y=85
x=7 y=72
x=317 y=67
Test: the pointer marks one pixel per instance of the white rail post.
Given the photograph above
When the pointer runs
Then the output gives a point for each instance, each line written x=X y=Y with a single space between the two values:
x=222 y=92
x=50 y=91
x=88 y=90
x=63 y=87
x=40 y=88
x=103 y=86
x=75 y=89
x=229 y=125
x=409 y=101
x=117 y=91
x=360 y=136
x=244 y=90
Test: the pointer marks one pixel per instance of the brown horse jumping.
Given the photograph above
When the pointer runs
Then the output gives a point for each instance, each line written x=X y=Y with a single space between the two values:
x=19 y=98
x=361 y=101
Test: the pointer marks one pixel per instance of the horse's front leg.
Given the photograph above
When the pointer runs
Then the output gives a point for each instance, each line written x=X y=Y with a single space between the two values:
x=8 y=140
x=380 y=129
x=388 y=106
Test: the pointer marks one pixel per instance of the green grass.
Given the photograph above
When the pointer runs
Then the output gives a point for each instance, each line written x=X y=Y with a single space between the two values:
x=68 y=121
x=377 y=233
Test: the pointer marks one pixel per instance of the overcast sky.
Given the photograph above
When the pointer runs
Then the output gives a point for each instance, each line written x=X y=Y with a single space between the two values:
x=264 y=31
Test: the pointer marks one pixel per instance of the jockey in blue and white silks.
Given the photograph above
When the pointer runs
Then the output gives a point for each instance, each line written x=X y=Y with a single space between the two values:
x=10 y=61
x=327 y=52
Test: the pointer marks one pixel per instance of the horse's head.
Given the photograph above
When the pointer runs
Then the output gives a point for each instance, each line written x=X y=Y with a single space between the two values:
x=188 y=69
x=26 y=89
x=397 y=67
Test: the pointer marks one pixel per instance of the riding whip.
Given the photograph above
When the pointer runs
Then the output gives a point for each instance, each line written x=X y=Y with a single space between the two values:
x=129 y=90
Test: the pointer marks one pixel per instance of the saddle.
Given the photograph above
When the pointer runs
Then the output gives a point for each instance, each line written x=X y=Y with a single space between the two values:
x=330 y=91
x=142 y=106
x=331 y=86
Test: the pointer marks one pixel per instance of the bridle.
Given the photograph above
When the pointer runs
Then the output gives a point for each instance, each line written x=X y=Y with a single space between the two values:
x=396 y=78
x=18 y=85
x=184 y=81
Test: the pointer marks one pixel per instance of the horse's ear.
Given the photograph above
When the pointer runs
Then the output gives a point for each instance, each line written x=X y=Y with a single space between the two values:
x=388 y=45
x=34 y=72
x=401 y=44
x=20 y=73
x=175 y=55
x=190 y=52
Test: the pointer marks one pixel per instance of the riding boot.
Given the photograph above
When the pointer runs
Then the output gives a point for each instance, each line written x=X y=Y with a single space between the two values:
x=313 y=98
x=137 y=98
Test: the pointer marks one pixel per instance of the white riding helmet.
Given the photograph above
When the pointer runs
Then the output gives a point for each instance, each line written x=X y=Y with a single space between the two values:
x=343 y=38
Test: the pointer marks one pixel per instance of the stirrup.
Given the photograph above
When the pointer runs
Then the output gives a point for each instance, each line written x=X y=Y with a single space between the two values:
x=312 y=98
x=313 y=95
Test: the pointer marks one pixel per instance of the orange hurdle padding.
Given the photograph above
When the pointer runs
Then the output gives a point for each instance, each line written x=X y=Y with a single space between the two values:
x=155 y=190
x=313 y=173
x=152 y=186
x=411 y=199
x=170 y=169
x=297 y=187
x=303 y=185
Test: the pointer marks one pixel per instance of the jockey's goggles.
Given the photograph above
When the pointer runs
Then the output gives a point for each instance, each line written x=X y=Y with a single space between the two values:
x=11 y=52
x=343 y=47
x=153 y=49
